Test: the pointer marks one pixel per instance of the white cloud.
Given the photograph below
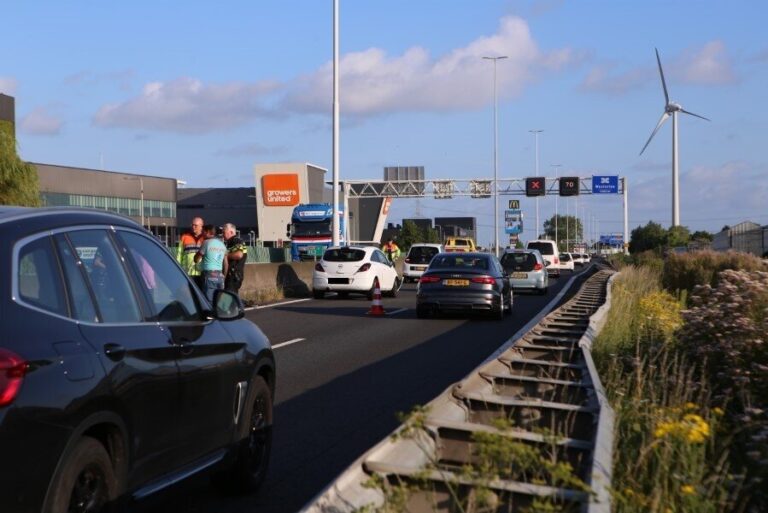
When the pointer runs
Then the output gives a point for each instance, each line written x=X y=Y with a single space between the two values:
x=41 y=122
x=188 y=105
x=373 y=82
x=8 y=86
x=708 y=65
x=250 y=149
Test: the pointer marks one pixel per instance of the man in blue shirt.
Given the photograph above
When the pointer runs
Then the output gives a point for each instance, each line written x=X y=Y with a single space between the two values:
x=213 y=262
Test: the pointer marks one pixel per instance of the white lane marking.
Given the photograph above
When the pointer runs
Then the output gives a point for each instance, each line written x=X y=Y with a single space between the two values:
x=287 y=343
x=399 y=310
x=276 y=304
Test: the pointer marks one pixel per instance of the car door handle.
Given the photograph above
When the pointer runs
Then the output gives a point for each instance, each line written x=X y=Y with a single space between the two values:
x=114 y=352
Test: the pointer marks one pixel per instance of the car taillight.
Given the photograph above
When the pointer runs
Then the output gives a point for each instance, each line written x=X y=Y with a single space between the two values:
x=538 y=267
x=319 y=268
x=485 y=280
x=364 y=268
x=429 y=279
x=12 y=370
x=557 y=261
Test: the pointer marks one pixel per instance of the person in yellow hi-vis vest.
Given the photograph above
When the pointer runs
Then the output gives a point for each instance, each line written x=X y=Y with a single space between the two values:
x=391 y=250
x=189 y=244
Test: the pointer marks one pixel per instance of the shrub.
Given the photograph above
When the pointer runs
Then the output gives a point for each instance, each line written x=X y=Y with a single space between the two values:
x=686 y=271
x=650 y=259
x=726 y=328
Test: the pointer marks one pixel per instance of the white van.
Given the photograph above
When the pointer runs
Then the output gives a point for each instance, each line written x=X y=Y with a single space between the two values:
x=417 y=260
x=549 y=251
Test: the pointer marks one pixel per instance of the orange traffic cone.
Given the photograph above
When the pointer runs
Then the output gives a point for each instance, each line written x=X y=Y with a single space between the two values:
x=376 y=308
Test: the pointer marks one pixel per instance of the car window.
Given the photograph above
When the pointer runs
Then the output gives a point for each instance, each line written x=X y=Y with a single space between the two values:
x=344 y=255
x=422 y=254
x=79 y=296
x=449 y=260
x=518 y=261
x=565 y=257
x=165 y=286
x=104 y=267
x=545 y=248
x=39 y=279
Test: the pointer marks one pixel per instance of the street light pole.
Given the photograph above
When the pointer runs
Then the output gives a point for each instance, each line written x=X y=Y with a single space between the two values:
x=141 y=185
x=536 y=137
x=335 y=223
x=557 y=196
x=495 y=157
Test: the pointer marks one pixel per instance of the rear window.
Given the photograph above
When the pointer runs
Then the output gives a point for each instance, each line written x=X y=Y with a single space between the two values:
x=453 y=261
x=545 y=248
x=518 y=261
x=344 y=255
x=422 y=254
x=565 y=257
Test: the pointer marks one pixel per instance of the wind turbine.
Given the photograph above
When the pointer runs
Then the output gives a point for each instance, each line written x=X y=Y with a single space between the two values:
x=671 y=109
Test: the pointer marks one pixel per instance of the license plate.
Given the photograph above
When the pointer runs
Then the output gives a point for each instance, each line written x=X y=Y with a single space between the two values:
x=420 y=267
x=456 y=283
x=520 y=276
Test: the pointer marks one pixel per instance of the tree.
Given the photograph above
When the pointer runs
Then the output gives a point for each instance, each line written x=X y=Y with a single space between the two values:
x=18 y=179
x=432 y=236
x=701 y=236
x=410 y=234
x=678 y=236
x=652 y=236
x=568 y=227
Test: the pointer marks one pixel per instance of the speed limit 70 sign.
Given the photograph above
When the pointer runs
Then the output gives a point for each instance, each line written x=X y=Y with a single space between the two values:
x=569 y=186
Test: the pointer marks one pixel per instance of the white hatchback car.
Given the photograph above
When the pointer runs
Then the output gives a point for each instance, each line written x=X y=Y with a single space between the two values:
x=418 y=258
x=550 y=254
x=354 y=269
x=566 y=262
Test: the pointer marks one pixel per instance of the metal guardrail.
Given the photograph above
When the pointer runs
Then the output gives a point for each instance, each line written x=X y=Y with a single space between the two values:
x=545 y=384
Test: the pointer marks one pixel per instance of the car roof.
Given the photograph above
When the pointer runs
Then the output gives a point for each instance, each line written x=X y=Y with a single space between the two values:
x=426 y=245
x=361 y=248
x=63 y=216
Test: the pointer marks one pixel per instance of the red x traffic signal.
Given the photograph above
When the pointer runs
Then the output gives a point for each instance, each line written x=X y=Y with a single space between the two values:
x=535 y=186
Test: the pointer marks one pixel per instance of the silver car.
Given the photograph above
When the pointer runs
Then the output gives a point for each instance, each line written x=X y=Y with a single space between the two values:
x=526 y=269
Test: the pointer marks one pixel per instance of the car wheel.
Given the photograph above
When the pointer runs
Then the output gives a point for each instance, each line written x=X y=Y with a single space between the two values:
x=395 y=287
x=508 y=311
x=250 y=468
x=369 y=294
x=318 y=294
x=85 y=482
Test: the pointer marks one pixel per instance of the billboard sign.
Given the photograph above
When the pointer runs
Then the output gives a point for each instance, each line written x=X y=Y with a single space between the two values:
x=444 y=189
x=514 y=204
x=605 y=184
x=513 y=221
x=480 y=188
x=280 y=190
x=614 y=239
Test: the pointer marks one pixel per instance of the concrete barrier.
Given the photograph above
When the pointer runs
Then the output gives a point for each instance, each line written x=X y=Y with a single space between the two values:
x=294 y=278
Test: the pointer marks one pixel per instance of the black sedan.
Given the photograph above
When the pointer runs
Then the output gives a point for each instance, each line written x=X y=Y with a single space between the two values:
x=117 y=377
x=464 y=282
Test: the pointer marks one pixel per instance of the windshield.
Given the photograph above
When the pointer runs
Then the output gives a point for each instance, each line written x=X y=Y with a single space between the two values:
x=422 y=254
x=544 y=248
x=344 y=255
x=304 y=229
x=518 y=261
x=458 y=261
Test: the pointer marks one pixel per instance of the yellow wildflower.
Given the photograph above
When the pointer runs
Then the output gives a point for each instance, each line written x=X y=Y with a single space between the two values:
x=687 y=490
x=690 y=406
x=717 y=411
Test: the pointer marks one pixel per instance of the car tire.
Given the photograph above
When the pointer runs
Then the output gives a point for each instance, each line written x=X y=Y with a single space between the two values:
x=250 y=467
x=86 y=475
x=369 y=294
x=318 y=294
x=395 y=287
x=510 y=302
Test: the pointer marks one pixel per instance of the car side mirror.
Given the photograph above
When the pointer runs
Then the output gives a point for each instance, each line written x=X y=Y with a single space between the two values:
x=227 y=306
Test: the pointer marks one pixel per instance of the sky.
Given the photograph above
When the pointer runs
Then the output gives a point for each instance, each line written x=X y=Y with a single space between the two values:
x=202 y=91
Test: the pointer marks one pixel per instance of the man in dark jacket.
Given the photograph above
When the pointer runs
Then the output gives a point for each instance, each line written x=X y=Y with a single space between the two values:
x=237 y=255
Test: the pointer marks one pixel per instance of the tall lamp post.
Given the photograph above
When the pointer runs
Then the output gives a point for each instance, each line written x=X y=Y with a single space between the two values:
x=557 y=178
x=141 y=186
x=335 y=222
x=536 y=137
x=495 y=157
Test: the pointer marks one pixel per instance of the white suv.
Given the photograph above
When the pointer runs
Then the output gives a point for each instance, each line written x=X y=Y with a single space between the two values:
x=549 y=251
x=417 y=260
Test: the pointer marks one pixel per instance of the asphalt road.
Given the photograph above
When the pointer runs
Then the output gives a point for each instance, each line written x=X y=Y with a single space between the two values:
x=342 y=379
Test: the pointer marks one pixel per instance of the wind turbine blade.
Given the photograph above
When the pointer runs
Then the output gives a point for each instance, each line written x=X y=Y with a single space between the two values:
x=663 y=82
x=664 y=117
x=692 y=114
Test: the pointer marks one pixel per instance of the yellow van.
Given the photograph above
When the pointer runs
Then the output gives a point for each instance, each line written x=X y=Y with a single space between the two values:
x=459 y=245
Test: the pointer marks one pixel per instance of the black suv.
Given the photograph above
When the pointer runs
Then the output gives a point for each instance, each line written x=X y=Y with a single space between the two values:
x=117 y=377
